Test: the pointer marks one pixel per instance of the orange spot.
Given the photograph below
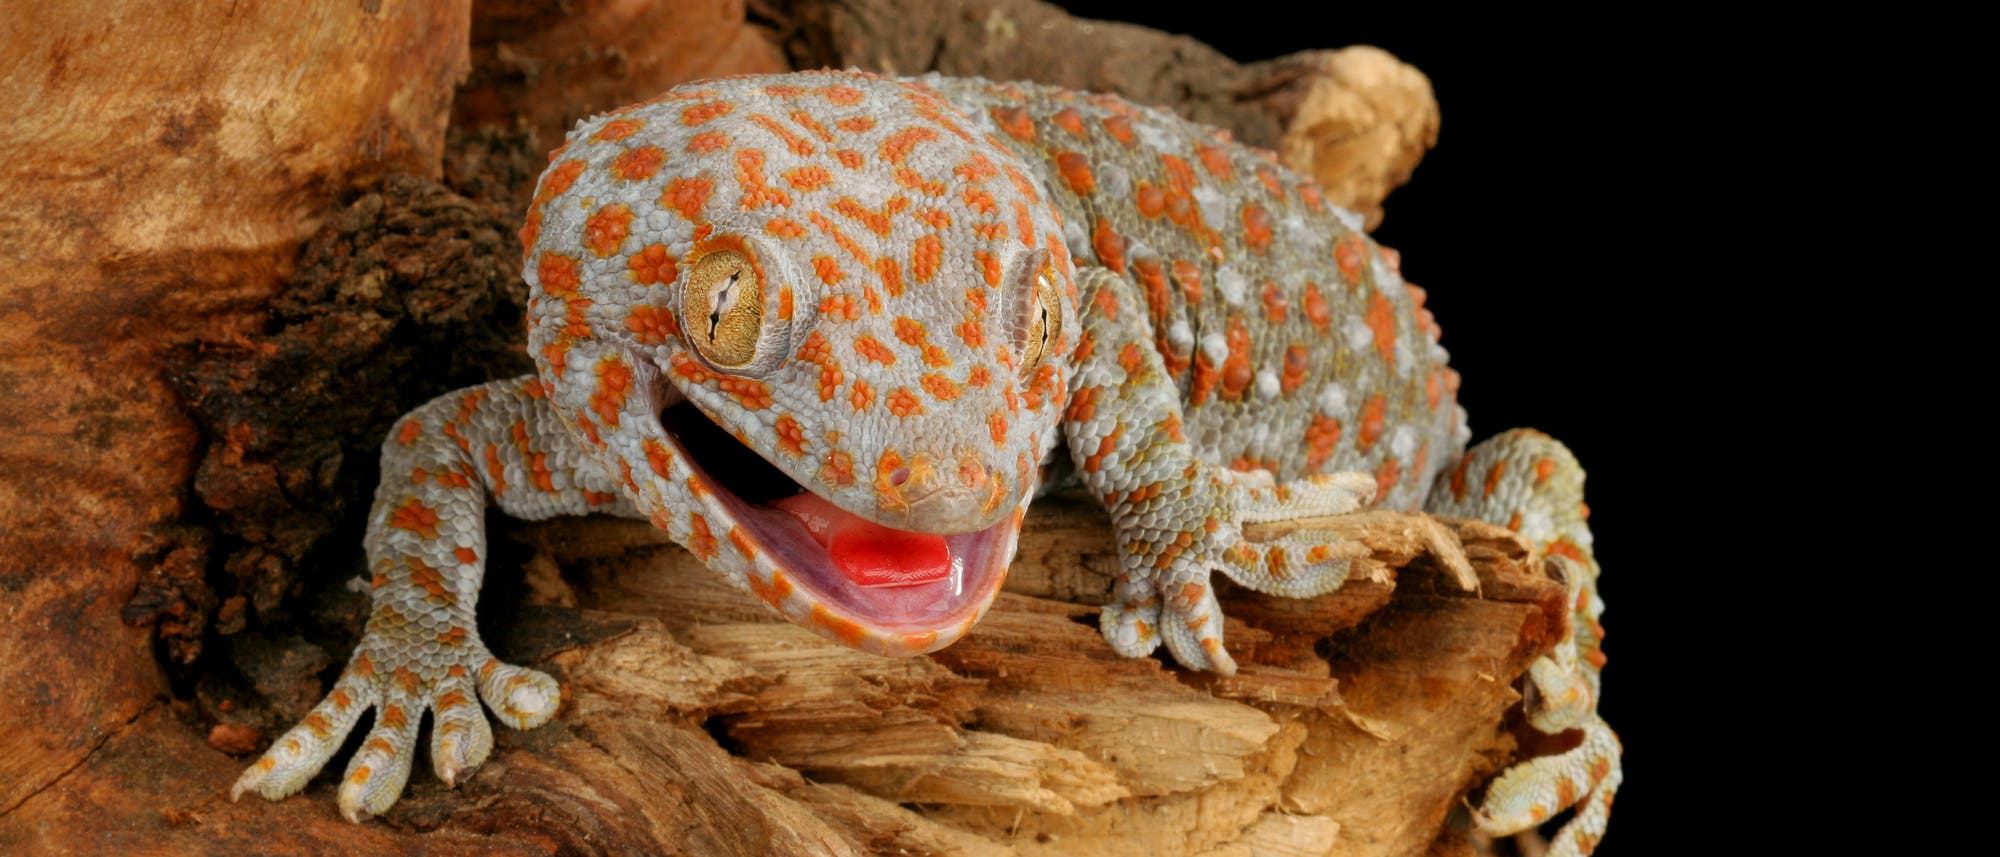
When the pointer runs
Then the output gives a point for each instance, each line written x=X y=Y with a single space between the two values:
x=1109 y=245
x=873 y=349
x=466 y=555
x=749 y=393
x=1387 y=475
x=1075 y=169
x=924 y=259
x=409 y=433
x=1014 y=122
x=909 y=178
x=797 y=144
x=904 y=403
x=1297 y=362
x=558 y=275
x=842 y=629
x=939 y=387
x=659 y=458
x=1373 y=412
x=1381 y=319
x=605 y=231
x=1236 y=374
x=742 y=541
x=862 y=396
x=1107 y=304
x=1150 y=200
x=700 y=542
x=1069 y=120
x=785 y=227
x=1493 y=477
x=750 y=177
x=1350 y=255
x=495 y=471
x=1216 y=160
x=898 y=146
x=891 y=274
x=707 y=142
x=1544 y=469
x=1105 y=446
x=652 y=266
x=617 y=129
x=614 y=378
x=416 y=517
x=652 y=325
x=774 y=592
x=1275 y=304
x=1120 y=129
x=637 y=164
x=687 y=196
x=807 y=178
x=855 y=124
x=839 y=469
x=557 y=180
x=1189 y=277
x=909 y=330
x=530 y=232
x=791 y=438
x=700 y=113
x=1257 y=227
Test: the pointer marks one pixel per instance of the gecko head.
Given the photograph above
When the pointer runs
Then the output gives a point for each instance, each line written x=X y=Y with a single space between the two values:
x=819 y=328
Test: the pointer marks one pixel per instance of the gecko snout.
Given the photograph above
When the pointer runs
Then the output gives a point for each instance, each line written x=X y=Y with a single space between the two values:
x=931 y=494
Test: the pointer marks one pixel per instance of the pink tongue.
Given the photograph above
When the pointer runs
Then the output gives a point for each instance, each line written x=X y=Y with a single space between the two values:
x=868 y=553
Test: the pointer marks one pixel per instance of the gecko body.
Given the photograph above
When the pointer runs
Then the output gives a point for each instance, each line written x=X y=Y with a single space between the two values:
x=829 y=331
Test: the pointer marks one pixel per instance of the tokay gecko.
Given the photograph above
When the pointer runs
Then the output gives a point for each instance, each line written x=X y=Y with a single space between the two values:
x=908 y=300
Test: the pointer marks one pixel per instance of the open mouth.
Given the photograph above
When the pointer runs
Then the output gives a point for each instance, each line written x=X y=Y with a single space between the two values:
x=902 y=584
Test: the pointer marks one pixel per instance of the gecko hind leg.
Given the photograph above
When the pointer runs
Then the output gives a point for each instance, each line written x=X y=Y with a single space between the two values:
x=1530 y=483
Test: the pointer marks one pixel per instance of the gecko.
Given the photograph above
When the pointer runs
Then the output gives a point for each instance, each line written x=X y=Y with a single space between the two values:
x=833 y=332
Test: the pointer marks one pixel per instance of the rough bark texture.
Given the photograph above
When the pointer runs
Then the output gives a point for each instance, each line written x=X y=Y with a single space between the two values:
x=163 y=162
x=234 y=267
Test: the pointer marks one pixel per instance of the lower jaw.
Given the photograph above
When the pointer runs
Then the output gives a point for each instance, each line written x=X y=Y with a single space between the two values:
x=894 y=618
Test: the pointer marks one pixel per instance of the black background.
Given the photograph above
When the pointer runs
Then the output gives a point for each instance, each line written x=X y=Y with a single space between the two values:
x=1561 y=227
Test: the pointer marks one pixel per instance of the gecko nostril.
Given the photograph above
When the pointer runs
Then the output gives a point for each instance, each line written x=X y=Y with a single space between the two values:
x=899 y=477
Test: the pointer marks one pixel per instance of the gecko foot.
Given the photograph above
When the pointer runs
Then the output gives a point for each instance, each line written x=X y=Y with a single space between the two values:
x=1171 y=548
x=1586 y=777
x=400 y=683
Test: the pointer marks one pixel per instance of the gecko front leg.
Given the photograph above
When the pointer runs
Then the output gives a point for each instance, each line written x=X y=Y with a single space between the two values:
x=426 y=550
x=1178 y=516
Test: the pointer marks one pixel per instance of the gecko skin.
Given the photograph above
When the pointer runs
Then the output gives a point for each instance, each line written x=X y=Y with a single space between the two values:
x=826 y=329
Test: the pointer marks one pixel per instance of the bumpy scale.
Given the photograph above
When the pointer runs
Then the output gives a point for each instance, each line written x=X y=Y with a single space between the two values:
x=825 y=329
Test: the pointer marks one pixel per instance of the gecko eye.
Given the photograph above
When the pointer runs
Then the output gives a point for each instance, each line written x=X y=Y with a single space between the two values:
x=1044 y=323
x=722 y=308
